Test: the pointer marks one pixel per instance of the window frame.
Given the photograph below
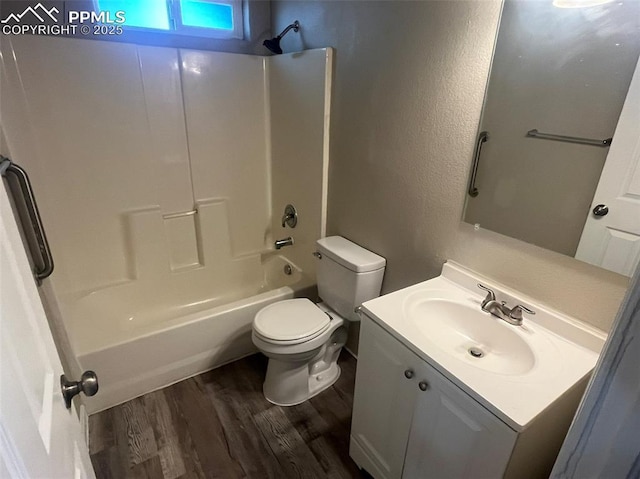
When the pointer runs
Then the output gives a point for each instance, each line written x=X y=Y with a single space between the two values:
x=175 y=13
x=176 y=27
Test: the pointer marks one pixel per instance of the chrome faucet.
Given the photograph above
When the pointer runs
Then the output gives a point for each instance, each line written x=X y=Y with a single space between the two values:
x=281 y=243
x=501 y=310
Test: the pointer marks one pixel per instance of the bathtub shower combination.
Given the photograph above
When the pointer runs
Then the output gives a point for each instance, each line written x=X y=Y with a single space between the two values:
x=142 y=342
x=162 y=176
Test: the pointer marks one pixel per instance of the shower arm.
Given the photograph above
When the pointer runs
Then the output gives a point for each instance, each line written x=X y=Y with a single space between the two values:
x=295 y=25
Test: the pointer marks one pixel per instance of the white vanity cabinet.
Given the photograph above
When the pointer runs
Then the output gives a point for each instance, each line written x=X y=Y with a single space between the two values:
x=384 y=399
x=410 y=421
x=446 y=390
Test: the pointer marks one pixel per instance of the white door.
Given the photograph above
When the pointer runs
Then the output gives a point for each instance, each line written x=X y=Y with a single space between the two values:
x=39 y=437
x=613 y=241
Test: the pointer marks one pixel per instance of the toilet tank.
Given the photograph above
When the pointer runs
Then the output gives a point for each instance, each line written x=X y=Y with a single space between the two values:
x=348 y=275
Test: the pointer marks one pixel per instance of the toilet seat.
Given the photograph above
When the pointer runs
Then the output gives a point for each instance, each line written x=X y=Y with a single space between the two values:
x=291 y=321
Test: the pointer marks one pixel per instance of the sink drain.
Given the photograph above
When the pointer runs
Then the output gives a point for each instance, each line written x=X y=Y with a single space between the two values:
x=476 y=352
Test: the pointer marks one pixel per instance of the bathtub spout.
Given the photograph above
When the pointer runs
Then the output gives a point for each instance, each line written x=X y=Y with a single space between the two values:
x=283 y=242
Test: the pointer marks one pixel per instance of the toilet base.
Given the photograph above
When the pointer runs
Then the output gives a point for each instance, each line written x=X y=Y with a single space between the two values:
x=291 y=388
x=323 y=380
x=294 y=377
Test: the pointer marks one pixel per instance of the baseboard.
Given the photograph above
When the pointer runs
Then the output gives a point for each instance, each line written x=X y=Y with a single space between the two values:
x=351 y=353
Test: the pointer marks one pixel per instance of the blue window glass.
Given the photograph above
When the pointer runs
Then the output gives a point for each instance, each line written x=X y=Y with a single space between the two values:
x=206 y=14
x=141 y=13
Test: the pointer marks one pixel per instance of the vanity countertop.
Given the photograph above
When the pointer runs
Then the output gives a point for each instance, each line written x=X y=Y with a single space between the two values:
x=524 y=371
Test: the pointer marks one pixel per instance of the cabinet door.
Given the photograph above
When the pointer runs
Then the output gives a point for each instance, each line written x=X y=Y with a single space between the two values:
x=452 y=435
x=383 y=402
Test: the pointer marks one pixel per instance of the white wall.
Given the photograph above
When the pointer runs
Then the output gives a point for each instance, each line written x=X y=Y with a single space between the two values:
x=90 y=151
x=227 y=119
x=153 y=171
x=300 y=93
x=104 y=138
x=408 y=89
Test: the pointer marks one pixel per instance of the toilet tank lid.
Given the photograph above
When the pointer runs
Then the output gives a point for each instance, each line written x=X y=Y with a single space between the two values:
x=350 y=255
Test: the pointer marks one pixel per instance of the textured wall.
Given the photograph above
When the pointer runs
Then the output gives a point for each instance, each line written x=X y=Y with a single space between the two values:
x=409 y=81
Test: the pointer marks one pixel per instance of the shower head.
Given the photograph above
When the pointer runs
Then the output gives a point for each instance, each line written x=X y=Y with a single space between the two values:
x=274 y=43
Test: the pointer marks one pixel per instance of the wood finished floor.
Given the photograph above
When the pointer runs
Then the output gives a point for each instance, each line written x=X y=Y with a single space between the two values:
x=219 y=425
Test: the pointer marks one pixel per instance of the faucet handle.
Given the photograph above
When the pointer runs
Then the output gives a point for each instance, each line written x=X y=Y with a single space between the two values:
x=488 y=290
x=516 y=312
x=491 y=296
x=286 y=218
x=290 y=217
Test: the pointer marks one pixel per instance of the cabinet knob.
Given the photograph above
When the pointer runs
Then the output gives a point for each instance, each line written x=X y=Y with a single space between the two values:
x=408 y=373
x=423 y=385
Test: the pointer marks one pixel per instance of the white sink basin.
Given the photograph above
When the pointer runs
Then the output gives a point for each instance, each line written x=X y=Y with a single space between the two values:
x=515 y=371
x=470 y=334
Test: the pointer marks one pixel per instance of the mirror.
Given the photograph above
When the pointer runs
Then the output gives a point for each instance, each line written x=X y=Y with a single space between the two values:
x=563 y=72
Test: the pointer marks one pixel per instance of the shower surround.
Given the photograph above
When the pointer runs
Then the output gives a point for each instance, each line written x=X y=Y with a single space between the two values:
x=162 y=176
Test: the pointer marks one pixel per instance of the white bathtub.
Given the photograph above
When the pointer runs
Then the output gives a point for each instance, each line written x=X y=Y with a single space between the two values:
x=140 y=342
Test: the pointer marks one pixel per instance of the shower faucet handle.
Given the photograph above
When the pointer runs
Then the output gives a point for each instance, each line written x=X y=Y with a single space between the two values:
x=290 y=217
x=285 y=219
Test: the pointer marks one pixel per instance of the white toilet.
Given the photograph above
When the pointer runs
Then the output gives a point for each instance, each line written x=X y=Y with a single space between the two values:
x=303 y=340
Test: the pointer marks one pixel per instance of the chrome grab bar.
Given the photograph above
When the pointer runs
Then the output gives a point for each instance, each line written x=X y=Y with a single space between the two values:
x=182 y=214
x=569 y=139
x=482 y=137
x=44 y=252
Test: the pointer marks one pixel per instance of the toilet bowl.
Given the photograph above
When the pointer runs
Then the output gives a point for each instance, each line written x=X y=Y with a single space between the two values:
x=303 y=340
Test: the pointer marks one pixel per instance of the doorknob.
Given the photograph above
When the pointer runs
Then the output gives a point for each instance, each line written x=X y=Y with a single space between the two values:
x=88 y=384
x=601 y=210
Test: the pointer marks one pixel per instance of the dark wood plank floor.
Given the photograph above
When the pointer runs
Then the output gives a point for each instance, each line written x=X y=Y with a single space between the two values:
x=219 y=425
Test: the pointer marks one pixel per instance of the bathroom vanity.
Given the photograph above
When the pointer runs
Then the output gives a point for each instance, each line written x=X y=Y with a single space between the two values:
x=444 y=389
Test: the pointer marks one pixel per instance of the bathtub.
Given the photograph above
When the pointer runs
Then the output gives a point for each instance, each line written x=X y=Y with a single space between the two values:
x=138 y=340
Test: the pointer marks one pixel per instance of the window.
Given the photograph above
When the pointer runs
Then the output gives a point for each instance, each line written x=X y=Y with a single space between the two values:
x=204 y=18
